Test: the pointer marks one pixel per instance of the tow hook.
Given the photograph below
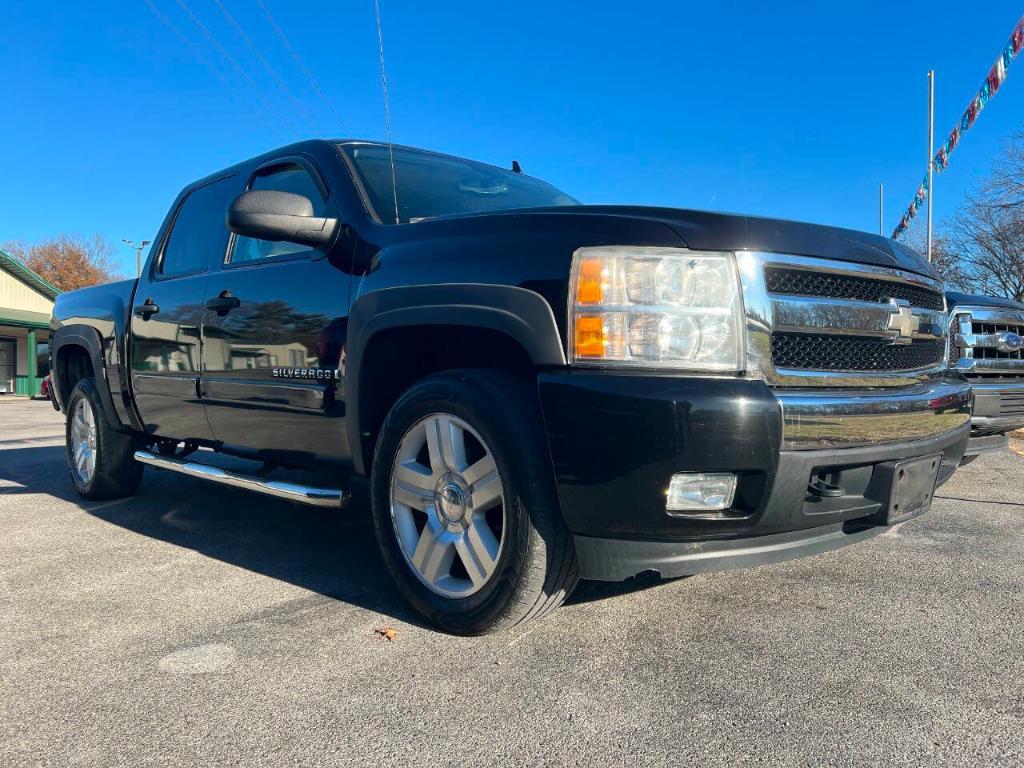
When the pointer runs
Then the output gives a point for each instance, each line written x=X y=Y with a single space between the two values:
x=823 y=489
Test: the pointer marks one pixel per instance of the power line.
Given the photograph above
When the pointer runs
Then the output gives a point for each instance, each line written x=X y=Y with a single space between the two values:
x=266 y=65
x=302 y=65
x=184 y=39
x=237 y=67
x=387 y=107
x=201 y=57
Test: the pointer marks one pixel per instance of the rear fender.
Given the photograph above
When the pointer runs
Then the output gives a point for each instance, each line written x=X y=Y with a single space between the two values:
x=88 y=338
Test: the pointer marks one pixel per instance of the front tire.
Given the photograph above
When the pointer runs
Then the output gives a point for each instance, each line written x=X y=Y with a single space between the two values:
x=464 y=504
x=100 y=459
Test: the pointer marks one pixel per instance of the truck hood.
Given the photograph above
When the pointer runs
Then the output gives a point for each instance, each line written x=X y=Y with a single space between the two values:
x=703 y=230
x=954 y=299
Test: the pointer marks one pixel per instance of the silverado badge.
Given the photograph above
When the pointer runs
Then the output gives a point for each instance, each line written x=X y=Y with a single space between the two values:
x=317 y=374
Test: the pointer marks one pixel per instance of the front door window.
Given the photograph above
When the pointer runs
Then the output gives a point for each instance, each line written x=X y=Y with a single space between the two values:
x=271 y=364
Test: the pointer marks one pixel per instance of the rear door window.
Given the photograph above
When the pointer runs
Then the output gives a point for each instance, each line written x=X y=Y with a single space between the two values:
x=199 y=235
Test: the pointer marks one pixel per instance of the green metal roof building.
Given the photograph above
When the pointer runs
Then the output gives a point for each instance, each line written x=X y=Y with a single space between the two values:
x=26 y=304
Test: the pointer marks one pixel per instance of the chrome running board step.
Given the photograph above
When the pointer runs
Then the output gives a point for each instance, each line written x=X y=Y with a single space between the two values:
x=303 y=494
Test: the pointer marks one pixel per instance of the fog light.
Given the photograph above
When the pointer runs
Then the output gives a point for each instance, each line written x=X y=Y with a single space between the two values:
x=700 y=492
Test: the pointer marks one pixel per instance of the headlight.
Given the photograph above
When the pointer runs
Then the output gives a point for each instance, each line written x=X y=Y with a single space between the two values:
x=656 y=308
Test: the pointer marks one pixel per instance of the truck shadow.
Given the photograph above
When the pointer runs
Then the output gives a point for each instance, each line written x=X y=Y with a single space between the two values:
x=333 y=553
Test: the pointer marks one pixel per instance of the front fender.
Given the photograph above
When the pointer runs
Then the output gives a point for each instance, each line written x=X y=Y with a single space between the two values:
x=523 y=315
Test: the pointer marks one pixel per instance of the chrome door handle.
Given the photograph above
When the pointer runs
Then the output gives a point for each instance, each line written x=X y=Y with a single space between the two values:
x=223 y=303
x=147 y=310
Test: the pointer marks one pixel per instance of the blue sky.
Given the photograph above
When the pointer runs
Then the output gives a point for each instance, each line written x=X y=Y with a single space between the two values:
x=796 y=111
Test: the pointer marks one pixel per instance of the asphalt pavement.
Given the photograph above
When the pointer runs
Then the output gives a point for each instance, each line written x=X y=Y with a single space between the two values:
x=199 y=625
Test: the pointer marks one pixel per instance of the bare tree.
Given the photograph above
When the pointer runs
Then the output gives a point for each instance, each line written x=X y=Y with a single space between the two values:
x=1007 y=182
x=988 y=239
x=69 y=261
x=981 y=249
x=945 y=260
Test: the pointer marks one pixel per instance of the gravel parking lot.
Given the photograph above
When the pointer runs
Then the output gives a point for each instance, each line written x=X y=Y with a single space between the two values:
x=195 y=625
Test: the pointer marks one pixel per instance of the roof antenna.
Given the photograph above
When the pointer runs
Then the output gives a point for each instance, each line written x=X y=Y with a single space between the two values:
x=387 y=108
x=516 y=167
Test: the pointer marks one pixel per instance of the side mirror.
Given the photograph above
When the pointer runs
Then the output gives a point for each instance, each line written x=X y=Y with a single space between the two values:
x=265 y=214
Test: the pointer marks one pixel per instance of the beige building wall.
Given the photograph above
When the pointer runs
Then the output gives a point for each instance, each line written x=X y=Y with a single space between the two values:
x=15 y=294
x=24 y=320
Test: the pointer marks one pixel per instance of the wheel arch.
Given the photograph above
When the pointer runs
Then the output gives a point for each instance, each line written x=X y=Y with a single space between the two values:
x=77 y=351
x=489 y=326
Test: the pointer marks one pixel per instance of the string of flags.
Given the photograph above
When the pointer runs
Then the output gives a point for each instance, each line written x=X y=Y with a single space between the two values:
x=993 y=81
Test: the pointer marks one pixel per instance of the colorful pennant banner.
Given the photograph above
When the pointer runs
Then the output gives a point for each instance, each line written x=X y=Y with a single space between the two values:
x=995 y=79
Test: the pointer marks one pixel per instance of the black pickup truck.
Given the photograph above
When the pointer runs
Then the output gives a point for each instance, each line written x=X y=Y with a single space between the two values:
x=538 y=390
x=986 y=344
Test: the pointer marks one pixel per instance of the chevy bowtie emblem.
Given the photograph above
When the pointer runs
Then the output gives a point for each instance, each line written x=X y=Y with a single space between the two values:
x=903 y=323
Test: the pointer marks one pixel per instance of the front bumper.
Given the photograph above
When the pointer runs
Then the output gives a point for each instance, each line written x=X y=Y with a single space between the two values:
x=617 y=560
x=998 y=409
x=616 y=439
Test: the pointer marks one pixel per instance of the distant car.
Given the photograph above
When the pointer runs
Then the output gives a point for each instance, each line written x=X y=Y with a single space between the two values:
x=46 y=393
x=986 y=344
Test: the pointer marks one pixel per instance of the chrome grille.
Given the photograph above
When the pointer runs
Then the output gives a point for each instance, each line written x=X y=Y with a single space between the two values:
x=980 y=341
x=1011 y=404
x=812 y=351
x=801 y=282
x=819 y=322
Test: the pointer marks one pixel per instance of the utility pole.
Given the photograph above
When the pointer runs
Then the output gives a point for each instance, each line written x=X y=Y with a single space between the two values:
x=931 y=154
x=138 y=253
x=881 y=193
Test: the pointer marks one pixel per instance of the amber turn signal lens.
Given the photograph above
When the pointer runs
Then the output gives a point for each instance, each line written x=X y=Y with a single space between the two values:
x=588 y=282
x=589 y=336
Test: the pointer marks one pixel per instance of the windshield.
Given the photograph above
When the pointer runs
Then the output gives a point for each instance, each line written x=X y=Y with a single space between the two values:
x=432 y=185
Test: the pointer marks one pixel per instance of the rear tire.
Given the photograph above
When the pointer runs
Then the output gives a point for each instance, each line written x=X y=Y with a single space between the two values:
x=464 y=504
x=101 y=460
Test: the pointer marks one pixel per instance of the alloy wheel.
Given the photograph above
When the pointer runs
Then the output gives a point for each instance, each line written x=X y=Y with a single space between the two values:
x=447 y=505
x=83 y=441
